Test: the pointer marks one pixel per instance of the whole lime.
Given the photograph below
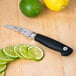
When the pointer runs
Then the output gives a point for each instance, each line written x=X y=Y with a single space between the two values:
x=31 y=8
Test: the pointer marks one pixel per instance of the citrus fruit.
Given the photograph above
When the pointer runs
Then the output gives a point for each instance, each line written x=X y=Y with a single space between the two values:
x=2 y=68
x=24 y=51
x=2 y=73
x=16 y=50
x=56 y=5
x=30 y=8
x=35 y=53
x=3 y=57
x=9 y=51
x=2 y=62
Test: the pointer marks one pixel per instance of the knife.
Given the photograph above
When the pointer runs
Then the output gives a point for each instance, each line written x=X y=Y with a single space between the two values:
x=48 y=42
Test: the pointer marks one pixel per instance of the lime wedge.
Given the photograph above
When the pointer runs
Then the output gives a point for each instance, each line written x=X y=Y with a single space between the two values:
x=3 y=57
x=36 y=53
x=16 y=50
x=2 y=68
x=24 y=51
x=2 y=73
x=2 y=62
x=9 y=51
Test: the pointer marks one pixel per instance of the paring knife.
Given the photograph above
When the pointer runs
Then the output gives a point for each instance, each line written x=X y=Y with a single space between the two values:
x=48 y=42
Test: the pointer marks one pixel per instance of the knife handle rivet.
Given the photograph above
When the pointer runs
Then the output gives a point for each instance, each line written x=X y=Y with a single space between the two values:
x=65 y=48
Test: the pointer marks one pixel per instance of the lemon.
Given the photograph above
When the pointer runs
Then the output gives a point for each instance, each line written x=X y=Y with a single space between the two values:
x=56 y=5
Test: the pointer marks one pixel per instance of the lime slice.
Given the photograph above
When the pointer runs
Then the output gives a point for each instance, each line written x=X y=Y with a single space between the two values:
x=3 y=57
x=2 y=68
x=36 y=53
x=2 y=74
x=24 y=51
x=9 y=51
x=16 y=50
x=2 y=62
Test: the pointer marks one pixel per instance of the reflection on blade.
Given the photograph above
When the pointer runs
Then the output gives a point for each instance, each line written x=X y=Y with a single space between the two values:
x=25 y=32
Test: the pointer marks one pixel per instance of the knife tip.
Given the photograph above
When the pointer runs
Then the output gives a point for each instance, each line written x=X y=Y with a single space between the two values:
x=5 y=25
x=8 y=26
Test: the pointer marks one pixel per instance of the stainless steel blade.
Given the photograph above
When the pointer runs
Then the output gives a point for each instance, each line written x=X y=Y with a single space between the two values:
x=24 y=31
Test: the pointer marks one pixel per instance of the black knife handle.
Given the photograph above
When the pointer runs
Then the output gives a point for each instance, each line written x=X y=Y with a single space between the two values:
x=53 y=44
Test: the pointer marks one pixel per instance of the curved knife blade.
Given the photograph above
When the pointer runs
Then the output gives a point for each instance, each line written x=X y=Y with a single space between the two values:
x=24 y=31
